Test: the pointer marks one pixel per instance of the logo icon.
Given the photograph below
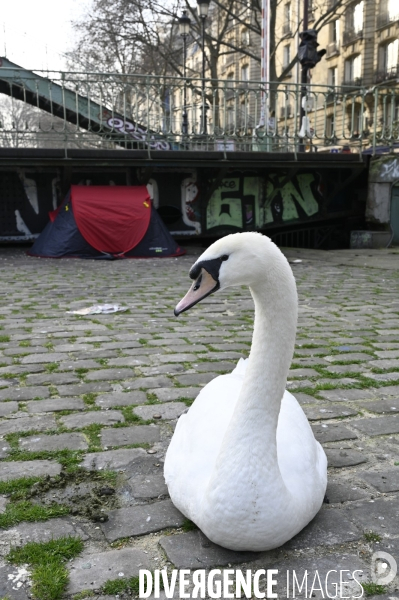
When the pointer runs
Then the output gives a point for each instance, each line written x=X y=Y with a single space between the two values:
x=383 y=568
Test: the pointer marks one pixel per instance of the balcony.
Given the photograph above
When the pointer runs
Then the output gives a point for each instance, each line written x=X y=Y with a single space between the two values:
x=386 y=18
x=332 y=49
x=287 y=29
x=387 y=74
x=352 y=84
x=351 y=35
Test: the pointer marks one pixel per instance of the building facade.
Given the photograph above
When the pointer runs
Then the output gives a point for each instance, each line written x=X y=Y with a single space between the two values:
x=361 y=39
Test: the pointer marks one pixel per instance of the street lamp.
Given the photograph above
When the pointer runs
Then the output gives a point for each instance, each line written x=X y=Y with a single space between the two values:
x=184 y=30
x=203 y=7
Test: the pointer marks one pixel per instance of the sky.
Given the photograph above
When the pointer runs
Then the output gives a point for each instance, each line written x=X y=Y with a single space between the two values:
x=35 y=33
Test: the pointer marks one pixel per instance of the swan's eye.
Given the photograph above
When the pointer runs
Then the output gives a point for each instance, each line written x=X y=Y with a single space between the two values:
x=224 y=257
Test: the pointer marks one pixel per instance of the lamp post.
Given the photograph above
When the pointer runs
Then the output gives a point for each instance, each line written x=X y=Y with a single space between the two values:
x=203 y=7
x=304 y=73
x=184 y=29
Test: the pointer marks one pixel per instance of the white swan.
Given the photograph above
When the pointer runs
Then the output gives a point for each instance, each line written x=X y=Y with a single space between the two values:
x=243 y=463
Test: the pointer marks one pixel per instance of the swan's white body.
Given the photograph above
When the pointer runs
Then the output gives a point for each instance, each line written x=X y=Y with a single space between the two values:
x=243 y=463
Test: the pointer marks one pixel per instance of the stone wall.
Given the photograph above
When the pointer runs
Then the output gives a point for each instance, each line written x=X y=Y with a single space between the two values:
x=383 y=173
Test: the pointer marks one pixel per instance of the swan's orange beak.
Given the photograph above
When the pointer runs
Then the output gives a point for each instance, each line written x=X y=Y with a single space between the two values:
x=204 y=285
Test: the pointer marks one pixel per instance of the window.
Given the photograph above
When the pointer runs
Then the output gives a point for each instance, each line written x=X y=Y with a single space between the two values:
x=230 y=118
x=390 y=56
x=353 y=70
x=230 y=85
x=245 y=73
x=287 y=18
x=393 y=110
x=390 y=9
x=244 y=114
x=355 y=120
x=245 y=41
x=287 y=13
x=354 y=18
x=286 y=55
x=334 y=31
x=332 y=76
x=330 y=126
x=230 y=80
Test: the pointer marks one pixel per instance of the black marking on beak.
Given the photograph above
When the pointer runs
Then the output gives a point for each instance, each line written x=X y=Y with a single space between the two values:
x=198 y=283
x=212 y=266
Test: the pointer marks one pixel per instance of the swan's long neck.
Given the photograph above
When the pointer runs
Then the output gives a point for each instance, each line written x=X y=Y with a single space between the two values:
x=249 y=446
x=272 y=349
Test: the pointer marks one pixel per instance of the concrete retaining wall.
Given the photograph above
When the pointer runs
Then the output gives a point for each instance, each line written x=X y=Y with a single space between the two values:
x=383 y=173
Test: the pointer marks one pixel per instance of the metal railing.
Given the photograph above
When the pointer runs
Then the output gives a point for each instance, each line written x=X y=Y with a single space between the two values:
x=143 y=112
x=386 y=18
x=351 y=35
x=387 y=74
x=353 y=84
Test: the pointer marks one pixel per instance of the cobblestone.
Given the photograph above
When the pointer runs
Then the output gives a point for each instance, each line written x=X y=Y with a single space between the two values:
x=95 y=417
x=26 y=393
x=138 y=434
x=58 y=404
x=168 y=394
x=194 y=551
x=91 y=571
x=140 y=520
x=27 y=424
x=171 y=410
x=332 y=433
x=30 y=468
x=63 y=441
x=378 y=426
x=120 y=399
x=145 y=361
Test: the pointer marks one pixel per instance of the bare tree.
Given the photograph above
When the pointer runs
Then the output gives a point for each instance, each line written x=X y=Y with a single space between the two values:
x=141 y=36
x=18 y=123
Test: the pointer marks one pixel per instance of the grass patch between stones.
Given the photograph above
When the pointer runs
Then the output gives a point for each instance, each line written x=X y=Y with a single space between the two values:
x=23 y=510
x=188 y=526
x=373 y=589
x=118 y=586
x=69 y=459
x=49 y=574
x=18 y=488
x=370 y=536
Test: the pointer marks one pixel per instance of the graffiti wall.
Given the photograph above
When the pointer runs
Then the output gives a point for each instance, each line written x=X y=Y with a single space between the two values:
x=25 y=200
x=248 y=202
x=291 y=200
x=235 y=203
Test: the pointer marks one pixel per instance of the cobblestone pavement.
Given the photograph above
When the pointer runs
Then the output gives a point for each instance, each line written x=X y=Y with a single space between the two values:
x=88 y=405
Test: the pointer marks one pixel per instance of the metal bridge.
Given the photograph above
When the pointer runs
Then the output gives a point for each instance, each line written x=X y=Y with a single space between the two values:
x=234 y=173
x=143 y=112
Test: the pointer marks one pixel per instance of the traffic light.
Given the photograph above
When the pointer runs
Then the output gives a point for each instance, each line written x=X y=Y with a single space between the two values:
x=308 y=55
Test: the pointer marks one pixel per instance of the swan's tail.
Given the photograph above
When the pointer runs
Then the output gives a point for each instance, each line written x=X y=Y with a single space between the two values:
x=241 y=367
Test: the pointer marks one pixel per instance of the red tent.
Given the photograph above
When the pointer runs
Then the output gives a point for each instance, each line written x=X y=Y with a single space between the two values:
x=106 y=221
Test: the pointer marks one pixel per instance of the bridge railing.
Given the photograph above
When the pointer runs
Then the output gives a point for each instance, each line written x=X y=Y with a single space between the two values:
x=110 y=110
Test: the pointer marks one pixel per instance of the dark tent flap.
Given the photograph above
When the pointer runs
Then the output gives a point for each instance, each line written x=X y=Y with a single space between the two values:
x=112 y=219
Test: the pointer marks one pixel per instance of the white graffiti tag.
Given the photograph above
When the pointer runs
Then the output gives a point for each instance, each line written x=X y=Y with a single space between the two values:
x=390 y=169
x=137 y=133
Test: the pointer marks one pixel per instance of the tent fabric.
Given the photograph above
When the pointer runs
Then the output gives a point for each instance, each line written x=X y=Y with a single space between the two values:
x=130 y=209
x=62 y=236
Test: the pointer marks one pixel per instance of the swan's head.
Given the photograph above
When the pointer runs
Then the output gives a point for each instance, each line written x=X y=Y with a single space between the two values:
x=237 y=259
